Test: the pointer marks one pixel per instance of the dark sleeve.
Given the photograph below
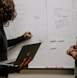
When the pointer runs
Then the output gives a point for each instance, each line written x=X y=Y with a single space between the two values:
x=5 y=70
x=15 y=41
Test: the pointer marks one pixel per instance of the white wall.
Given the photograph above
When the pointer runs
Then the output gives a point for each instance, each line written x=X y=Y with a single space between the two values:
x=51 y=22
x=43 y=15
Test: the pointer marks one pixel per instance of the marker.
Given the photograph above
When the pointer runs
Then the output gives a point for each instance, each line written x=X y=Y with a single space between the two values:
x=27 y=35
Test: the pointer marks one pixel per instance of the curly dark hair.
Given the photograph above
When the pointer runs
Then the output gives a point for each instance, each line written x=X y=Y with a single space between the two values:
x=7 y=11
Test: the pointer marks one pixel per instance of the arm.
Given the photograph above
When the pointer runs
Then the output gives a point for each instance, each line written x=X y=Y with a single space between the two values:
x=17 y=40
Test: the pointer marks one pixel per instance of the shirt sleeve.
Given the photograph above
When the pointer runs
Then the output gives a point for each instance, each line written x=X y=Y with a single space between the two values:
x=5 y=70
x=15 y=41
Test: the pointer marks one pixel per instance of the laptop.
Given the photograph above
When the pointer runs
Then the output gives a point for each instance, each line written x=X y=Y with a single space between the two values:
x=26 y=51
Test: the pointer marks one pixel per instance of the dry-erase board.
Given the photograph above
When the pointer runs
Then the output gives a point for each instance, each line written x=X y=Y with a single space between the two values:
x=53 y=22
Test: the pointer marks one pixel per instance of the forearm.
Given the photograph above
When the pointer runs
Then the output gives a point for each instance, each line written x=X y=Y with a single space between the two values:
x=15 y=41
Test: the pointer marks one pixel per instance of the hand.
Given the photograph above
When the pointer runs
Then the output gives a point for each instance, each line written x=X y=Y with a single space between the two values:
x=72 y=52
x=27 y=35
x=71 y=49
x=25 y=62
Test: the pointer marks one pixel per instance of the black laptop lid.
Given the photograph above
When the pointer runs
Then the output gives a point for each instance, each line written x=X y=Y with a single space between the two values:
x=27 y=50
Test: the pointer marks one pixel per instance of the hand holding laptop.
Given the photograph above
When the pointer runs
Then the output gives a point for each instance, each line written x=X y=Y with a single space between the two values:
x=26 y=54
x=25 y=62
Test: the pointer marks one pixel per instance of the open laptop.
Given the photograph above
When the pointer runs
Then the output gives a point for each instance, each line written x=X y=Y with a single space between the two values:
x=26 y=51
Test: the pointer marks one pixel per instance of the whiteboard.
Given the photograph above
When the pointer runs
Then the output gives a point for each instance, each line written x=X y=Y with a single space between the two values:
x=52 y=22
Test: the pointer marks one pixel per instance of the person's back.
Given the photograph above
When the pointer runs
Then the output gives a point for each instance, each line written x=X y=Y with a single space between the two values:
x=8 y=13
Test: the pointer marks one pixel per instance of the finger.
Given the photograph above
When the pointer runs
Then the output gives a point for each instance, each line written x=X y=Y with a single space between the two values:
x=72 y=46
x=29 y=59
x=68 y=52
x=75 y=47
x=74 y=55
x=22 y=63
x=29 y=32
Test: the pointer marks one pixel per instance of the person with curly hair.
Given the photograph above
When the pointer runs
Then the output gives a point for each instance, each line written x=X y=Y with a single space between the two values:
x=8 y=13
